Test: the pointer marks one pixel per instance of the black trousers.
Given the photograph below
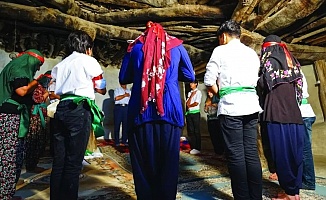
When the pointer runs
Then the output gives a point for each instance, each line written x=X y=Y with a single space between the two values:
x=70 y=138
x=214 y=129
x=240 y=135
x=193 y=130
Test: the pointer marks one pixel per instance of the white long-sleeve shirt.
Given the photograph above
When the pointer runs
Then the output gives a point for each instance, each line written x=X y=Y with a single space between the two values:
x=234 y=65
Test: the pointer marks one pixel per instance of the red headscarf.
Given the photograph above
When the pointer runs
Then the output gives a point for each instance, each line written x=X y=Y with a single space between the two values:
x=156 y=48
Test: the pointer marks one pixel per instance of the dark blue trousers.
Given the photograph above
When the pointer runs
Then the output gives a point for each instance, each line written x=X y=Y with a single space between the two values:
x=72 y=129
x=240 y=136
x=120 y=116
x=286 y=142
x=154 y=152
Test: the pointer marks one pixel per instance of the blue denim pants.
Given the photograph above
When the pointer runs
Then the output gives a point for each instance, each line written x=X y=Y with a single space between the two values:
x=240 y=136
x=308 y=179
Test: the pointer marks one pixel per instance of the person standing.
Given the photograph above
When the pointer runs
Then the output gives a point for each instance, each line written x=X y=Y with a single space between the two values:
x=17 y=85
x=76 y=77
x=234 y=67
x=309 y=117
x=154 y=63
x=280 y=81
x=37 y=134
x=193 y=118
x=121 y=99
x=213 y=124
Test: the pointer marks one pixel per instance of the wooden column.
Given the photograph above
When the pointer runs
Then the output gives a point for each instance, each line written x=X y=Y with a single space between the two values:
x=320 y=67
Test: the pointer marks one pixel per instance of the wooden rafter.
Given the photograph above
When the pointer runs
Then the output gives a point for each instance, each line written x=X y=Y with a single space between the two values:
x=242 y=12
x=312 y=26
x=295 y=9
x=160 y=14
x=313 y=33
x=266 y=8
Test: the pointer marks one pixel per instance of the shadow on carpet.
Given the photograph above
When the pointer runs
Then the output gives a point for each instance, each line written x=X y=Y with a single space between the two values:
x=205 y=177
x=201 y=177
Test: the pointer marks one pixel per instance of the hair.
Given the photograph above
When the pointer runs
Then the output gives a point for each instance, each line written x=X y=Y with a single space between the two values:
x=195 y=81
x=79 y=41
x=230 y=27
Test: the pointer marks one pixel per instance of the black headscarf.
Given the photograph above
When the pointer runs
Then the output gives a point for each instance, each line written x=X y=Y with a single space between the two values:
x=278 y=65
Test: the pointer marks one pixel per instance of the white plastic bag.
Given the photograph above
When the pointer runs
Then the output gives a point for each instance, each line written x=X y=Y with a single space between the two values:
x=51 y=109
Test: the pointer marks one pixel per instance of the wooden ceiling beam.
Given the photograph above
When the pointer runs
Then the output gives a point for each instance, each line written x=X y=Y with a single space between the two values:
x=294 y=10
x=308 y=35
x=53 y=18
x=301 y=26
x=256 y=18
x=194 y=12
x=319 y=41
x=312 y=26
x=242 y=12
x=124 y=3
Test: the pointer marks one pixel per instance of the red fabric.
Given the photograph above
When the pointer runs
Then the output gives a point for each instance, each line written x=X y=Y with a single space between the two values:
x=99 y=77
x=287 y=53
x=156 y=48
x=40 y=58
x=38 y=93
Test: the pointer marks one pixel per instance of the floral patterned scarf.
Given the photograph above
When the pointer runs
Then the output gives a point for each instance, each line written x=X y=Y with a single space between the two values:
x=279 y=66
x=156 y=48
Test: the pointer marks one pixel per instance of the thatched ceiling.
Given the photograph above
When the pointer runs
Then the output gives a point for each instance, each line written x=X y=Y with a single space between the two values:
x=45 y=24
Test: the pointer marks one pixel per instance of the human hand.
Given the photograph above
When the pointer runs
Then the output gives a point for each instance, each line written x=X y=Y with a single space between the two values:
x=127 y=94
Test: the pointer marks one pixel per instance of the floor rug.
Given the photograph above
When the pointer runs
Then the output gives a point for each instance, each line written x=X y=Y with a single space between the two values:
x=201 y=177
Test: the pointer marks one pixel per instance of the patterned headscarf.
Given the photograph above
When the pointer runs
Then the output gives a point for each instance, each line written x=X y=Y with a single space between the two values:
x=278 y=65
x=24 y=66
x=157 y=57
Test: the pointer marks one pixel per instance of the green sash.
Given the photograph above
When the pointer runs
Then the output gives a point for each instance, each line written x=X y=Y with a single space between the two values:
x=304 y=101
x=37 y=110
x=97 y=114
x=24 y=118
x=192 y=112
x=229 y=90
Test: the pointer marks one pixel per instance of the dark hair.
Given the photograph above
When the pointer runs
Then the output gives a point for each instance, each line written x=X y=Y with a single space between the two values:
x=230 y=27
x=79 y=41
x=195 y=81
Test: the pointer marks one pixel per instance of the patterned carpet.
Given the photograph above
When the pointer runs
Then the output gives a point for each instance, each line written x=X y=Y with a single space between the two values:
x=201 y=177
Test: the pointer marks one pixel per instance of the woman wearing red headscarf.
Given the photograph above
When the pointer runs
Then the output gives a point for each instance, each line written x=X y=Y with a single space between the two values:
x=280 y=89
x=154 y=63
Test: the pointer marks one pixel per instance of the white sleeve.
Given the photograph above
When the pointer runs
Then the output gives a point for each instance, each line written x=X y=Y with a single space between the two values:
x=198 y=97
x=93 y=68
x=212 y=69
x=116 y=92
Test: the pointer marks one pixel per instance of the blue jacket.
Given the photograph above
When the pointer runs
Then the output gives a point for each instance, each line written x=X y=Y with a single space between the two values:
x=180 y=69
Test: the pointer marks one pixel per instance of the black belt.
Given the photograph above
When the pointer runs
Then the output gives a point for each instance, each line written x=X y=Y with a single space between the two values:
x=121 y=104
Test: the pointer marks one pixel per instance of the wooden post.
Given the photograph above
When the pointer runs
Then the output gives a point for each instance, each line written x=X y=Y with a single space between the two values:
x=320 y=67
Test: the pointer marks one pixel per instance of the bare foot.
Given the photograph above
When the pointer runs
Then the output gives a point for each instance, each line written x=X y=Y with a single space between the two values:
x=273 y=177
x=283 y=196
